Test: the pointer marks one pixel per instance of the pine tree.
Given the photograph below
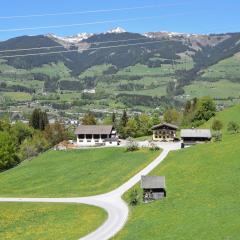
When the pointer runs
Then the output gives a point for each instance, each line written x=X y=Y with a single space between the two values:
x=124 y=119
x=39 y=119
x=114 y=118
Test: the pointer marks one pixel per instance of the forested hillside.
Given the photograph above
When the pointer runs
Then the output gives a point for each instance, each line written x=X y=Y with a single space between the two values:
x=161 y=68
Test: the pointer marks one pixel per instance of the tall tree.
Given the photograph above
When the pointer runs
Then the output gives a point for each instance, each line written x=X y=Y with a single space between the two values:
x=89 y=119
x=131 y=127
x=8 y=152
x=21 y=131
x=124 y=119
x=172 y=116
x=144 y=125
x=114 y=119
x=155 y=120
x=39 y=119
x=55 y=133
x=206 y=109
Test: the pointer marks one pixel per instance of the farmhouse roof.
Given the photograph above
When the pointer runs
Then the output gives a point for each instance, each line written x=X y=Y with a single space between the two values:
x=196 y=133
x=94 y=129
x=152 y=182
x=165 y=125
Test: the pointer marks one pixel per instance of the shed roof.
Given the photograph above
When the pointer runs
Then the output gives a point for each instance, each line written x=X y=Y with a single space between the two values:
x=94 y=129
x=196 y=133
x=172 y=126
x=152 y=182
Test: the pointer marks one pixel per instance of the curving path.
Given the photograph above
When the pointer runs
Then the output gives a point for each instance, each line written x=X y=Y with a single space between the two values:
x=112 y=202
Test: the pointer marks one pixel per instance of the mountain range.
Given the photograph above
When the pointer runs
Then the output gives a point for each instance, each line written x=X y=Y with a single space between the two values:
x=189 y=56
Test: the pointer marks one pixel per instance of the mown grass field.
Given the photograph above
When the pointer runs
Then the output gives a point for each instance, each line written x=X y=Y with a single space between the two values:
x=225 y=69
x=18 y=96
x=53 y=70
x=34 y=221
x=74 y=173
x=203 y=194
x=218 y=89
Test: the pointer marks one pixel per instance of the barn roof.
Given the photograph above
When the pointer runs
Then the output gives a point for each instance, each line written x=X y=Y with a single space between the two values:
x=94 y=129
x=152 y=182
x=196 y=133
x=165 y=125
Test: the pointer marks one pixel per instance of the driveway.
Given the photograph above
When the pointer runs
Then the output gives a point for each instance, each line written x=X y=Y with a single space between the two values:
x=112 y=202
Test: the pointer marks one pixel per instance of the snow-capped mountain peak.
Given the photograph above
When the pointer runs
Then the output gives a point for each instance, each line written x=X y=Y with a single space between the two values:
x=117 y=30
x=72 y=39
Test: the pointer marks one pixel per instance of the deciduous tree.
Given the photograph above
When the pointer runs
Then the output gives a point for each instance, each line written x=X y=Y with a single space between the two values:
x=89 y=119
x=8 y=152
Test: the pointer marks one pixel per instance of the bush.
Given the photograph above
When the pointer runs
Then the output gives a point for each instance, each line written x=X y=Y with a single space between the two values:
x=8 y=152
x=132 y=145
x=233 y=127
x=217 y=125
x=134 y=197
x=217 y=136
x=33 y=146
x=154 y=147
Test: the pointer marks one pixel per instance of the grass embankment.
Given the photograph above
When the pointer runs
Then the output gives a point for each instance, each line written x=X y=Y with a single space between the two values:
x=74 y=173
x=203 y=194
x=33 y=221
x=230 y=114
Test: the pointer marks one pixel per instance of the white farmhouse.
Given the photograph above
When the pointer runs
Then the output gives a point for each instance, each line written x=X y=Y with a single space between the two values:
x=96 y=135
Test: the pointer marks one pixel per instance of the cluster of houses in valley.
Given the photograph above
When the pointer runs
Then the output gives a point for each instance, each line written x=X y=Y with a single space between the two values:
x=106 y=135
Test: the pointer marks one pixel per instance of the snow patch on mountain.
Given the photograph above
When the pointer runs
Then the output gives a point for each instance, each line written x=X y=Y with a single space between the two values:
x=117 y=30
x=168 y=34
x=72 y=39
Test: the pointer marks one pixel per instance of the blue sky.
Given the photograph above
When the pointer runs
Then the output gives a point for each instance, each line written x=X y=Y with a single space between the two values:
x=191 y=16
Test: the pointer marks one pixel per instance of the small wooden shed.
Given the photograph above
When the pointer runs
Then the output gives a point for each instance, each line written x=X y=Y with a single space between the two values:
x=154 y=188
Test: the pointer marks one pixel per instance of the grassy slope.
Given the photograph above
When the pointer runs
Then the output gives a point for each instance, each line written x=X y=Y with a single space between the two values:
x=219 y=89
x=231 y=114
x=33 y=221
x=53 y=70
x=74 y=173
x=223 y=77
x=225 y=69
x=203 y=194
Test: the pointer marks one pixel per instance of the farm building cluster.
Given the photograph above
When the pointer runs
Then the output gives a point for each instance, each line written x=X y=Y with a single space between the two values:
x=106 y=135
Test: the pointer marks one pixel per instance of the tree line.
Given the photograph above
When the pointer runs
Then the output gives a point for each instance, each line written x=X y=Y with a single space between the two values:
x=21 y=141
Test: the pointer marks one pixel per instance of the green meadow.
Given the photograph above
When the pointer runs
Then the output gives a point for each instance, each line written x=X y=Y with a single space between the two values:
x=203 y=193
x=34 y=221
x=18 y=96
x=74 y=173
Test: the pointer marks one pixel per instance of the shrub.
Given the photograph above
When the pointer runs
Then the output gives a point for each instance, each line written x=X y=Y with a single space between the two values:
x=233 y=127
x=154 y=147
x=217 y=125
x=134 y=197
x=132 y=145
x=217 y=136
x=8 y=152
